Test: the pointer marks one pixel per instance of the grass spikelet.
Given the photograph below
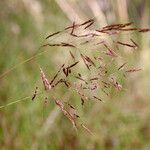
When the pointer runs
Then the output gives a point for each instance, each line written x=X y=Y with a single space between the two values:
x=125 y=44
x=122 y=66
x=85 y=62
x=133 y=70
x=35 y=93
x=56 y=74
x=144 y=30
x=53 y=34
x=72 y=56
x=110 y=51
x=95 y=97
x=46 y=83
x=65 y=112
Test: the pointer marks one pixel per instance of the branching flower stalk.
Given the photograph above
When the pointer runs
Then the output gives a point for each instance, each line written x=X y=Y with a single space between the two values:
x=97 y=55
x=93 y=66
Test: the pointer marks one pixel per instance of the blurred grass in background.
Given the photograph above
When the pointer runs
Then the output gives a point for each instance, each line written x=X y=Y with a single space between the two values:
x=120 y=123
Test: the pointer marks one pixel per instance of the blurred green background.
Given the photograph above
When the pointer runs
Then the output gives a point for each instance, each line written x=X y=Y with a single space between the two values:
x=120 y=123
